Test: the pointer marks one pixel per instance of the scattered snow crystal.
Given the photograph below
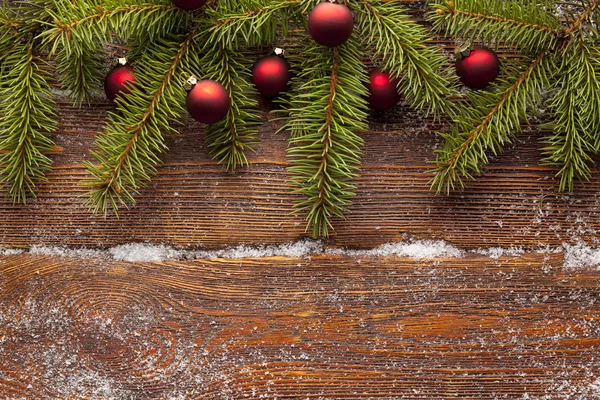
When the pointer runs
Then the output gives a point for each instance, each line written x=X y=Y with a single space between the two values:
x=418 y=249
x=143 y=252
x=581 y=256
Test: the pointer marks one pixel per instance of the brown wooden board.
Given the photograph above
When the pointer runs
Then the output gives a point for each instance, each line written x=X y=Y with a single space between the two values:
x=192 y=202
x=330 y=327
x=335 y=327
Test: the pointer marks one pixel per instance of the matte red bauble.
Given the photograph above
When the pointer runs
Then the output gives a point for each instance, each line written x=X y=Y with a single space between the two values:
x=188 y=5
x=115 y=82
x=330 y=24
x=383 y=91
x=478 y=69
x=208 y=101
x=271 y=75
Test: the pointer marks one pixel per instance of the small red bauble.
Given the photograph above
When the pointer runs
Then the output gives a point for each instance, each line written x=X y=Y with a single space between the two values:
x=115 y=82
x=188 y=5
x=478 y=69
x=330 y=24
x=208 y=101
x=383 y=91
x=271 y=75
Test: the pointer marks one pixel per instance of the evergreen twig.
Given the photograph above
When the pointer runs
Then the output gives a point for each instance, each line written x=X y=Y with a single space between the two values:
x=230 y=138
x=566 y=68
x=576 y=104
x=135 y=135
x=27 y=117
x=524 y=24
x=404 y=50
x=494 y=119
x=324 y=118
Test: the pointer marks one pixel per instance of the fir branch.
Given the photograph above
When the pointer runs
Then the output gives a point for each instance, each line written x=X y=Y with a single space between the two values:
x=86 y=22
x=78 y=31
x=134 y=136
x=402 y=45
x=230 y=138
x=478 y=130
x=585 y=15
x=26 y=119
x=524 y=24
x=576 y=108
x=257 y=26
x=79 y=74
x=323 y=119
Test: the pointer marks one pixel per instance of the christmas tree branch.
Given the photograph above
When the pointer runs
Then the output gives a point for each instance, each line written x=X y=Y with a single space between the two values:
x=230 y=138
x=585 y=15
x=129 y=149
x=323 y=119
x=463 y=153
x=401 y=45
x=86 y=22
x=256 y=26
x=516 y=23
x=79 y=74
x=26 y=118
x=576 y=106
x=79 y=31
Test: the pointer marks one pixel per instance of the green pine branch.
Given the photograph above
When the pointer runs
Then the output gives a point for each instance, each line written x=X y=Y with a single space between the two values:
x=79 y=74
x=524 y=24
x=79 y=31
x=404 y=50
x=129 y=149
x=87 y=21
x=490 y=123
x=26 y=119
x=576 y=106
x=324 y=116
x=230 y=138
x=258 y=23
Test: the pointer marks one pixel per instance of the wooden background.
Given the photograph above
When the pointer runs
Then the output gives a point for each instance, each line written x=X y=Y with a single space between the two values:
x=336 y=327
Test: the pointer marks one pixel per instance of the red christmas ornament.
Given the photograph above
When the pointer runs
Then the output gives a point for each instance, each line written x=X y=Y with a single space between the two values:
x=208 y=101
x=383 y=91
x=271 y=74
x=188 y=5
x=330 y=23
x=115 y=82
x=478 y=68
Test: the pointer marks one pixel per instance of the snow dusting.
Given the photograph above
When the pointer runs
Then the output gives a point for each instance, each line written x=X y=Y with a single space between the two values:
x=580 y=255
x=419 y=249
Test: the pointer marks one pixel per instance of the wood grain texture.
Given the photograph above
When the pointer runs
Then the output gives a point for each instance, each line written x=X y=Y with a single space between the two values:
x=328 y=327
x=192 y=202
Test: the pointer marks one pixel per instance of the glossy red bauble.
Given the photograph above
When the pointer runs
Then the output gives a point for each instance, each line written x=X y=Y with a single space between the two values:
x=330 y=24
x=383 y=91
x=271 y=75
x=480 y=68
x=115 y=82
x=188 y=5
x=208 y=102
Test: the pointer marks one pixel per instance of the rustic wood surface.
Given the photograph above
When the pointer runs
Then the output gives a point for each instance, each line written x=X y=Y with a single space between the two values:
x=330 y=327
x=192 y=202
x=326 y=326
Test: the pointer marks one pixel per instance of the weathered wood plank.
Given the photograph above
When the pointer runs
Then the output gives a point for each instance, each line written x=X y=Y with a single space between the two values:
x=327 y=327
x=193 y=203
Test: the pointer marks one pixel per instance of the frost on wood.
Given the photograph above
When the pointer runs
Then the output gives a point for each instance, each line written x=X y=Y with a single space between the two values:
x=576 y=256
x=146 y=252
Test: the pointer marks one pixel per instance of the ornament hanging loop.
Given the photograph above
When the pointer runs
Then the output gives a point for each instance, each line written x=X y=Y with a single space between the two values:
x=279 y=52
x=463 y=48
x=190 y=83
x=119 y=62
